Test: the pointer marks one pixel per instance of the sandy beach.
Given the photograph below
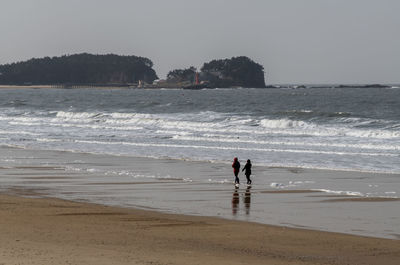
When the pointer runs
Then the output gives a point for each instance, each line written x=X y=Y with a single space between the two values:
x=297 y=198
x=52 y=231
x=80 y=208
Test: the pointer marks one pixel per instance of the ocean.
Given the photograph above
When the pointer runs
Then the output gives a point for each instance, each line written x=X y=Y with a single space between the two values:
x=340 y=129
x=323 y=158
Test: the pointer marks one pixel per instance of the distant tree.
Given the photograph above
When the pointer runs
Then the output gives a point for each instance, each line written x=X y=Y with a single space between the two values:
x=237 y=71
x=182 y=75
x=79 y=68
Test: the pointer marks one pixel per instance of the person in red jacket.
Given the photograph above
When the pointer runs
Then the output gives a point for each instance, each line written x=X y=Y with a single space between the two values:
x=236 y=169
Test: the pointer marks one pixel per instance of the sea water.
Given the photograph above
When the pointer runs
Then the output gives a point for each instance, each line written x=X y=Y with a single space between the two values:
x=340 y=128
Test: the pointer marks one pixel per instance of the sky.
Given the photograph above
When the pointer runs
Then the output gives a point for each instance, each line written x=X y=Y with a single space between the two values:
x=297 y=41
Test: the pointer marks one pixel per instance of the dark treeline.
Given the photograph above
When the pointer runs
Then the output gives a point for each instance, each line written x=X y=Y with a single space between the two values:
x=182 y=75
x=79 y=68
x=124 y=70
x=235 y=72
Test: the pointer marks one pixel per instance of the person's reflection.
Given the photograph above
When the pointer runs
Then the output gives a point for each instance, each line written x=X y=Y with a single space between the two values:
x=247 y=200
x=235 y=201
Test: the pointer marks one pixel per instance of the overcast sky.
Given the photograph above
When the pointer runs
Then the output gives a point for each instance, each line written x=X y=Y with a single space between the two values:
x=297 y=41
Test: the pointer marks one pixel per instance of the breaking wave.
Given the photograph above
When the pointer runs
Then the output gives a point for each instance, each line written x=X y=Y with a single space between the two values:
x=210 y=127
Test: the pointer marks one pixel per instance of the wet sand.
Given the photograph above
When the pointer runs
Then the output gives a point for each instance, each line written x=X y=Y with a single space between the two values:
x=363 y=199
x=280 y=196
x=289 y=191
x=52 y=231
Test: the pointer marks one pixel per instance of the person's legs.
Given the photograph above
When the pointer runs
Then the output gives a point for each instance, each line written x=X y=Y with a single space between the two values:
x=236 y=178
x=248 y=179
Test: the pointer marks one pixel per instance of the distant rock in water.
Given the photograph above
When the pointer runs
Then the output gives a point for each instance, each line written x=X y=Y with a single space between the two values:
x=364 y=86
x=235 y=72
x=79 y=68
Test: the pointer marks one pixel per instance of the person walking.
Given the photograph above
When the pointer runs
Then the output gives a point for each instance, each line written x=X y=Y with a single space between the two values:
x=247 y=173
x=236 y=169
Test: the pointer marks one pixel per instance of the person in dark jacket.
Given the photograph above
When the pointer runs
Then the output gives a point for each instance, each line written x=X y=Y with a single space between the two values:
x=236 y=169
x=247 y=173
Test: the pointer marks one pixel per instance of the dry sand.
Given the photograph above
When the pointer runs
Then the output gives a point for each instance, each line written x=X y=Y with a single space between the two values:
x=53 y=231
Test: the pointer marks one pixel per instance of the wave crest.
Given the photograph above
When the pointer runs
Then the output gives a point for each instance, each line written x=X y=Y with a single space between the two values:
x=282 y=123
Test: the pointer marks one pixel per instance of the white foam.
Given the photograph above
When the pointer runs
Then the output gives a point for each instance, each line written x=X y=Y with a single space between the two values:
x=49 y=140
x=206 y=135
x=223 y=181
x=295 y=127
x=207 y=122
x=19 y=132
x=330 y=168
x=339 y=192
x=228 y=139
x=298 y=182
x=277 y=185
x=175 y=133
x=282 y=124
x=239 y=148
x=235 y=148
x=76 y=115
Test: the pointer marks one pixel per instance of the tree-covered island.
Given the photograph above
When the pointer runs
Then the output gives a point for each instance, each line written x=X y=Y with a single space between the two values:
x=103 y=70
x=81 y=68
x=235 y=72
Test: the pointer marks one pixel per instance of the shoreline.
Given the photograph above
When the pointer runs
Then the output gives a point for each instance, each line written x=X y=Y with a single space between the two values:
x=48 y=231
x=61 y=87
x=293 y=169
x=280 y=196
x=193 y=87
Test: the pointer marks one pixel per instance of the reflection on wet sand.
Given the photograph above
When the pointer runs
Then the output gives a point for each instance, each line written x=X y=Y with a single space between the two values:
x=247 y=200
x=236 y=200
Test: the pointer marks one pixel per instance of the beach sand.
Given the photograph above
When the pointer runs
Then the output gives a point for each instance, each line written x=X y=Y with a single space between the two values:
x=52 y=231
x=290 y=197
